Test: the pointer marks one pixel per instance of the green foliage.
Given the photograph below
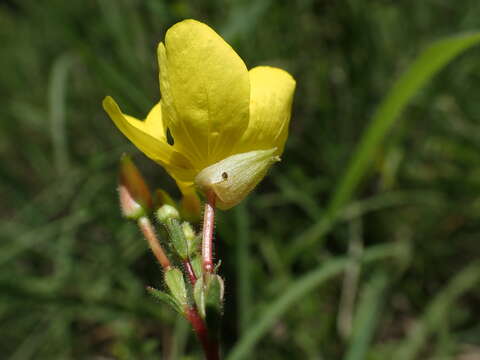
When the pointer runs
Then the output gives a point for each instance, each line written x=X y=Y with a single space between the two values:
x=176 y=284
x=167 y=299
x=396 y=273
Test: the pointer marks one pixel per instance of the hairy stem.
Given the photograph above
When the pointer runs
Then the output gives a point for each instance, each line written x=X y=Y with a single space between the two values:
x=207 y=238
x=149 y=232
x=210 y=347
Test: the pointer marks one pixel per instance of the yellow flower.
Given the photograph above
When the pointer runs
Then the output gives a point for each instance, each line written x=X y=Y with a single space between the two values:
x=218 y=113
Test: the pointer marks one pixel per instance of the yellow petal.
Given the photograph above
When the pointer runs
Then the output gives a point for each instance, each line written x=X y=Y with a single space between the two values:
x=271 y=96
x=146 y=138
x=153 y=124
x=205 y=91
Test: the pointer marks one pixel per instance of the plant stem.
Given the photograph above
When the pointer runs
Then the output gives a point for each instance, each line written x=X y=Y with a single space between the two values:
x=190 y=272
x=149 y=232
x=209 y=347
x=207 y=238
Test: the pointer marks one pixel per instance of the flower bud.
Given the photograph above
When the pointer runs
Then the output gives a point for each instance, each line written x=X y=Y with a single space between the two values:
x=167 y=212
x=130 y=208
x=135 y=198
x=161 y=197
x=191 y=207
x=169 y=217
x=232 y=178
x=191 y=238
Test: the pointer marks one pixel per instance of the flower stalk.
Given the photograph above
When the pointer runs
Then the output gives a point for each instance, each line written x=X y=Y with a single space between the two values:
x=148 y=232
x=207 y=233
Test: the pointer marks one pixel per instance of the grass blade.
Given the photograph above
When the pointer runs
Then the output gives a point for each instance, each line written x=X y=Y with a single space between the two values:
x=297 y=291
x=244 y=293
x=367 y=316
x=427 y=64
x=436 y=311
x=57 y=103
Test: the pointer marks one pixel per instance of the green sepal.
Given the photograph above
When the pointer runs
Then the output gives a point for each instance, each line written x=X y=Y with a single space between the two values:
x=165 y=298
x=199 y=297
x=208 y=297
x=196 y=262
x=177 y=237
x=214 y=293
x=176 y=284
x=214 y=303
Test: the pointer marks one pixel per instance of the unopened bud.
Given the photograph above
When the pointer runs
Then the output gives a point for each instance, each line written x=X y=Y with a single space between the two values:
x=169 y=217
x=135 y=198
x=233 y=178
x=162 y=197
x=167 y=212
x=191 y=238
x=130 y=208
x=188 y=231
x=191 y=207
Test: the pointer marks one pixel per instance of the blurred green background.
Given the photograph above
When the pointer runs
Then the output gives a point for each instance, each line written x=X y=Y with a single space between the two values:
x=73 y=272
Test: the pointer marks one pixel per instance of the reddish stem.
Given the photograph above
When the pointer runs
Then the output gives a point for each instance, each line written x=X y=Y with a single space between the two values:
x=209 y=347
x=149 y=233
x=190 y=272
x=207 y=238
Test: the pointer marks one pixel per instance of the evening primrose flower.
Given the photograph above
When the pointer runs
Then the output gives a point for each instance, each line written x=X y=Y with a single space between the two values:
x=228 y=124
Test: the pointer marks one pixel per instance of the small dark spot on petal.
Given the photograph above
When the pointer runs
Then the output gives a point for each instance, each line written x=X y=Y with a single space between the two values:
x=170 y=140
x=224 y=176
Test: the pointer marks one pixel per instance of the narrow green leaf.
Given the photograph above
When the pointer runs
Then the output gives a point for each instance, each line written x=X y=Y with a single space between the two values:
x=57 y=91
x=301 y=287
x=244 y=293
x=176 y=284
x=180 y=336
x=436 y=311
x=367 y=316
x=165 y=298
x=177 y=238
x=429 y=63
